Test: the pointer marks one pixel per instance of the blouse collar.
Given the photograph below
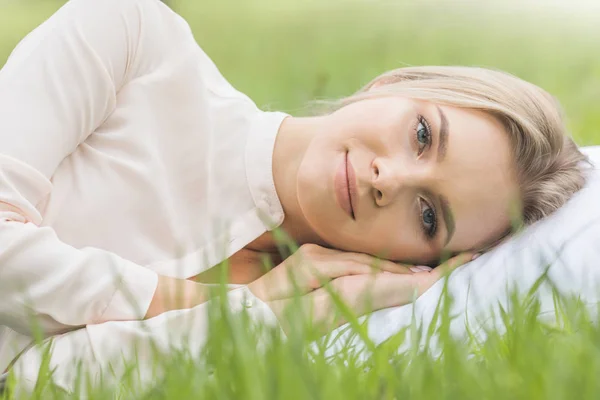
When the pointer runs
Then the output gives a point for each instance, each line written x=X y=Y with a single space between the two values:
x=259 y=166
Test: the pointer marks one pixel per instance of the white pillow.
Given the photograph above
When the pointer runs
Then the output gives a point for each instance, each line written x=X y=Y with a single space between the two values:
x=569 y=241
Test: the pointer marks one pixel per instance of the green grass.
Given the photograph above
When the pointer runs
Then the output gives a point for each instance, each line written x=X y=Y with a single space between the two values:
x=523 y=359
x=286 y=53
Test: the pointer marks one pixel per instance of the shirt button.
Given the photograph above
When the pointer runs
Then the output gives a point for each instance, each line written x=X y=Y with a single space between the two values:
x=248 y=303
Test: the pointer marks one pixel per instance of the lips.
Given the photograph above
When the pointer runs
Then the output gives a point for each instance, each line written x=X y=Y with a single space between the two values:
x=352 y=191
x=345 y=187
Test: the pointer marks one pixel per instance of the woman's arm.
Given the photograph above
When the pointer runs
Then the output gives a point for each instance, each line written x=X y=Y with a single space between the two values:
x=57 y=87
x=106 y=351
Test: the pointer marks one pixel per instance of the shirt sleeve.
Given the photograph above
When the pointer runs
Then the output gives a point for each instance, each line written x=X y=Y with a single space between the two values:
x=105 y=351
x=57 y=87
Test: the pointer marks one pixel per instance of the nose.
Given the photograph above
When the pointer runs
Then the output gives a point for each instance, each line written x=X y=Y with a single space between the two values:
x=388 y=178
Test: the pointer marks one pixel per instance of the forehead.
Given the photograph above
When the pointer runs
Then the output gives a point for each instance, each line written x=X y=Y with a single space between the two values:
x=477 y=177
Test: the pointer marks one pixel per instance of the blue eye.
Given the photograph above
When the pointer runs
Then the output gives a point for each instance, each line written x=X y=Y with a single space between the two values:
x=428 y=219
x=423 y=135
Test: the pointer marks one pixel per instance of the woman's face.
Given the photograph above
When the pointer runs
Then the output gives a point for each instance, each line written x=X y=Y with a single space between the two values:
x=407 y=180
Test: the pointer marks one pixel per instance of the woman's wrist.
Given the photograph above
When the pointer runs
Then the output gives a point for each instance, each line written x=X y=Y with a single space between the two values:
x=175 y=294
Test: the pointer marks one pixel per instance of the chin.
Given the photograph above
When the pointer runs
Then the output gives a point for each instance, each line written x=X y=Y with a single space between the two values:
x=335 y=236
x=325 y=222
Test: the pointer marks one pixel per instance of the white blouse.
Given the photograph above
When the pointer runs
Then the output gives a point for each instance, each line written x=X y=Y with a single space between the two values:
x=128 y=155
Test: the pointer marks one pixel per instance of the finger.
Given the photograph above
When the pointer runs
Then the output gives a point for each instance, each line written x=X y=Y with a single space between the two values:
x=351 y=291
x=380 y=265
x=392 y=290
x=368 y=292
x=362 y=258
x=396 y=268
x=420 y=268
x=424 y=280
x=324 y=272
x=354 y=267
x=376 y=263
x=452 y=264
x=360 y=294
x=315 y=308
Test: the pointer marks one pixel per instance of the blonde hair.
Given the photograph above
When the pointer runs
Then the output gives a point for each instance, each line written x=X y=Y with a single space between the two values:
x=549 y=166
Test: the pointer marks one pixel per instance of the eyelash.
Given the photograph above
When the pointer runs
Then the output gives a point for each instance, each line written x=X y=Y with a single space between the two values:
x=429 y=232
x=422 y=121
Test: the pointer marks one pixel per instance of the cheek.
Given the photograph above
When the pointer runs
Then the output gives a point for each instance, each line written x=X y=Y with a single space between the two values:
x=391 y=237
x=391 y=234
x=480 y=231
x=370 y=131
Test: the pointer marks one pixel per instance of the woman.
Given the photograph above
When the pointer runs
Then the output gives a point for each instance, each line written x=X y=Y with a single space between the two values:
x=130 y=167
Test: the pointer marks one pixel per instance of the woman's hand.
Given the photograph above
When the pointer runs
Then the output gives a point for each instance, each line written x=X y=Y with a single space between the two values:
x=312 y=266
x=362 y=282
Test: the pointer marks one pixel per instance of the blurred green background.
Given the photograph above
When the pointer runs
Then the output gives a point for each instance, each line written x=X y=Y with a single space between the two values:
x=285 y=53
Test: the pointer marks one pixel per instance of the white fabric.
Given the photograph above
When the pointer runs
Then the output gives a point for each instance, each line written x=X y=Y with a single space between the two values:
x=104 y=350
x=123 y=154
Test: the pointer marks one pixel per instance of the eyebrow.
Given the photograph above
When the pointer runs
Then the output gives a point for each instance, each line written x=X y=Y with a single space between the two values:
x=448 y=218
x=443 y=139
